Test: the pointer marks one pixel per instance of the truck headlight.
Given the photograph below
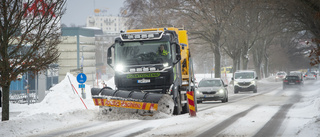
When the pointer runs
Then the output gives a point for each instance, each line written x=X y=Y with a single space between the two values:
x=119 y=67
x=235 y=82
x=166 y=64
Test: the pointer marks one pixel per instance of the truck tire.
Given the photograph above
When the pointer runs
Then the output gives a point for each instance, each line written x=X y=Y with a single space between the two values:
x=177 y=107
x=185 y=108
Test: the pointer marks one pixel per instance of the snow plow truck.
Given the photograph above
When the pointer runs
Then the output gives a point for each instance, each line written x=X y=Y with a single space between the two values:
x=153 y=72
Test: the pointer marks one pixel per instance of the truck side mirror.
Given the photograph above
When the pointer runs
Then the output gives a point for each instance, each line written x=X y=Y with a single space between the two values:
x=178 y=49
x=178 y=57
x=109 y=56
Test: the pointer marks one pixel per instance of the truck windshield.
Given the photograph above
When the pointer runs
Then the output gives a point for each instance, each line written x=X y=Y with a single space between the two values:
x=244 y=75
x=146 y=52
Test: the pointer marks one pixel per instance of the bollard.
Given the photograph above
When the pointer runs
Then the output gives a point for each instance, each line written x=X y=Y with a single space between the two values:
x=192 y=109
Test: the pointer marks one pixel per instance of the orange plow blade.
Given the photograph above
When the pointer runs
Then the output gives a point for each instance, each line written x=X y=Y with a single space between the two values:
x=129 y=101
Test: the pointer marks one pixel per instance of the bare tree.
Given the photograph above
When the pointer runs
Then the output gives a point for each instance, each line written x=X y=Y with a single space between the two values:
x=207 y=21
x=150 y=13
x=29 y=36
x=204 y=20
x=307 y=13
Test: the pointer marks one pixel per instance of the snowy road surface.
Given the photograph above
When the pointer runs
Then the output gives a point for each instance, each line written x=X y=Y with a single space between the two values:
x=270 y=112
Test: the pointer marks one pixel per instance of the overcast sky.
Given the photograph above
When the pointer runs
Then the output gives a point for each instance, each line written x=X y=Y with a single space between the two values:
x=78 y=10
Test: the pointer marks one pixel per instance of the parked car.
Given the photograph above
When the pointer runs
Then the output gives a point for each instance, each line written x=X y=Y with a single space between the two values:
x=280 y=76
x=212 y=89
x=311 y=75
x=292 y=81
x=245 y=80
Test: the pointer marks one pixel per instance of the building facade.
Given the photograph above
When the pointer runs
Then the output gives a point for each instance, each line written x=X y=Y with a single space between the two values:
x=108 y=24
x=78 y=51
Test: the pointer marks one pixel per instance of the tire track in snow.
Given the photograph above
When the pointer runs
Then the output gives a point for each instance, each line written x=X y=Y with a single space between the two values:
x=221 y=126
x=112 y=132
x=273 y=125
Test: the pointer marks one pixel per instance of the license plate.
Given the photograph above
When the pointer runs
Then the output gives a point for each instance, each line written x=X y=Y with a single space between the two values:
x=208 y=96
x=143 y=81
x=291 y=83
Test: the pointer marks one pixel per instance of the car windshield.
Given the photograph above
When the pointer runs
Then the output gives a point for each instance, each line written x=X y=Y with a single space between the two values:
x=244 y=75
x=281 y=74
x=210 y=83
x=147 y=52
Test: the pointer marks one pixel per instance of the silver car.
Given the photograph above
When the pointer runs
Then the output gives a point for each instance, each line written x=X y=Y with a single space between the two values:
x=310 y=75
x=212 y=89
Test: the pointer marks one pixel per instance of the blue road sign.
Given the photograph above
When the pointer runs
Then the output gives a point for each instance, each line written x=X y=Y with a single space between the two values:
x=81 y=78
x=82 y=85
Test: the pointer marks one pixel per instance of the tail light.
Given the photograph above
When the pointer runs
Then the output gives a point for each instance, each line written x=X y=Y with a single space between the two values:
x=298 y=81
x=285 y=81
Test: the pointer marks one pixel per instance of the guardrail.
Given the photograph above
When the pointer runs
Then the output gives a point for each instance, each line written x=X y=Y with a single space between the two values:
x=23 y=97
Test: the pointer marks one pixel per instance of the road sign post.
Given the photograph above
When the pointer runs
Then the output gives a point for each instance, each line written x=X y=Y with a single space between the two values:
x=82 y=78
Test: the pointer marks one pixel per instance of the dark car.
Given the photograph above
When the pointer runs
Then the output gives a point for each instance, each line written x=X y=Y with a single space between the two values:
x=292 y=81
x=212 y=89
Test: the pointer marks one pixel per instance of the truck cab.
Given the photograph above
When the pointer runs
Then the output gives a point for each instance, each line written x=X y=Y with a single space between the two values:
x=146 y=61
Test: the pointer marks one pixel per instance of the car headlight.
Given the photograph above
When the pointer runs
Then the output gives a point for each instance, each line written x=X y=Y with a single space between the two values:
x=235 y=82
x=221 y=91
x=119 y=67
x=198 y=92
x=253 y=82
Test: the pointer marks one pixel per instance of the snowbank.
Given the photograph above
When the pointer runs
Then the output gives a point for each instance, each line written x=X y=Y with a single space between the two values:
x=62 y=98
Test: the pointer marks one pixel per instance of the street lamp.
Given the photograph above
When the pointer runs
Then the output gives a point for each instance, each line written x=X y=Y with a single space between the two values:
x=81 y=71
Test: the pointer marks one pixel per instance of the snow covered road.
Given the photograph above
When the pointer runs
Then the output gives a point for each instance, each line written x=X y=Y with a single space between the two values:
x=270 y=112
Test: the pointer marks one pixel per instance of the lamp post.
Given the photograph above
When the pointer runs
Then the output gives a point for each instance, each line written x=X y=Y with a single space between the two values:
x=81 y=71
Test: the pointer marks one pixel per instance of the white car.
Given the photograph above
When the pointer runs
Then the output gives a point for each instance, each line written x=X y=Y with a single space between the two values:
x=245 y=80
x=280 y=76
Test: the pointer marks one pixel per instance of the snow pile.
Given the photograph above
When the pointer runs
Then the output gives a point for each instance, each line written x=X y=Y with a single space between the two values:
x=307 y=111
x=62 y=98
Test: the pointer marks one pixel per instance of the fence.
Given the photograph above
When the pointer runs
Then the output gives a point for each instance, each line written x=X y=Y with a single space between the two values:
x=23 y=97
